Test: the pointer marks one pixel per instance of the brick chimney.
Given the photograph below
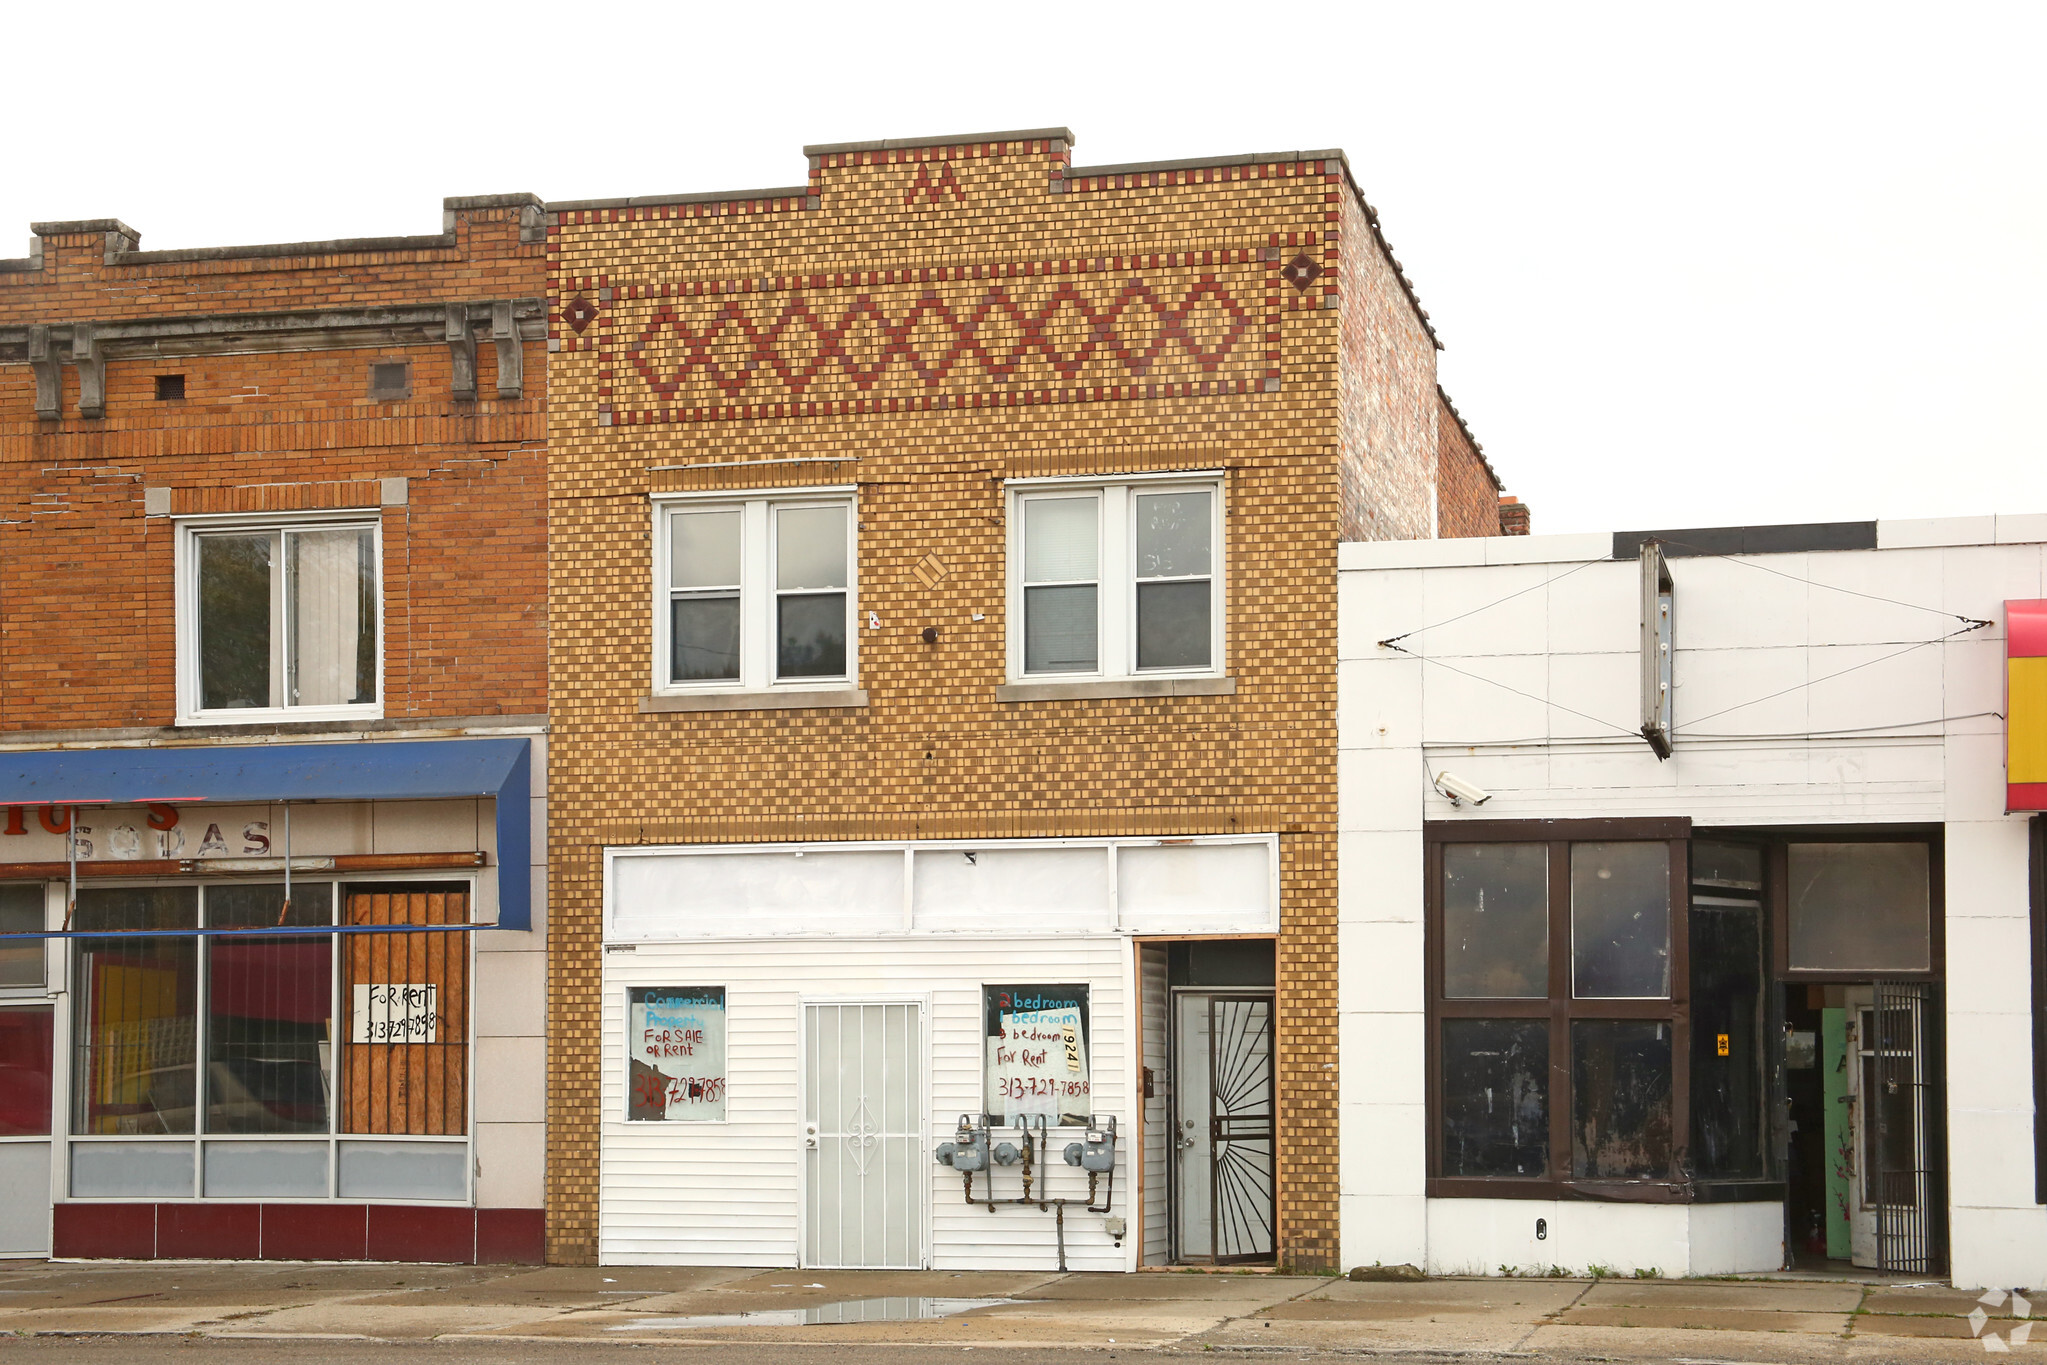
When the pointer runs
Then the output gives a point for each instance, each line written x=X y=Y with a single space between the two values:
x=1513 y=516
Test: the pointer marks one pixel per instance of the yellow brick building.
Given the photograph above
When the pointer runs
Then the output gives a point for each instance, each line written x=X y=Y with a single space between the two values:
x=923 y=369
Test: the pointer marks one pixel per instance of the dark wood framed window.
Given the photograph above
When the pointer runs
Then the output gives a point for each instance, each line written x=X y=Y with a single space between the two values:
x=1559 y=1040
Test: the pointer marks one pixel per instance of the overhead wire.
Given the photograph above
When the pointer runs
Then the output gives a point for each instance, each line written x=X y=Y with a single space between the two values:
x=1389 y=641
x=1508 y=687
x=1703 y=553
x=1840 y=673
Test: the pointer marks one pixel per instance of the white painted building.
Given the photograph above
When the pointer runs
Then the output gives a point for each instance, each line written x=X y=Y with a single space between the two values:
x=1772 y=996
x=791 y=1032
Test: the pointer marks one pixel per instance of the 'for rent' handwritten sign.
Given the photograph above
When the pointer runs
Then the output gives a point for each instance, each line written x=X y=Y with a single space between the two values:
x=675 y=1046
x=395 y=1012
x=1037 y=1053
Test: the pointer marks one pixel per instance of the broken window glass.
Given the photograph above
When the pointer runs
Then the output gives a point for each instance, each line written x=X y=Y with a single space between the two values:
x=1495 y=1097
x=1495 y=921
x=1620 y=1098
x=1620 y=921
x=1859 y=907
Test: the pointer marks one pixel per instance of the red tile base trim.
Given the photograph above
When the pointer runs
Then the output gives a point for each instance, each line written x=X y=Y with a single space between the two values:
x=401 y=1232
x=299 y=1232
x=120 y=1232
x=511 y=1236
x=208 y=1232
x=315 y=1232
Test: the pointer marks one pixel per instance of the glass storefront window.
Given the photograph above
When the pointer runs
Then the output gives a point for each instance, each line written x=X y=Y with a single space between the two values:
x=1620 y=1098
x=134 y=1024
x=1620 y=921
x=1495 y=1097
x=1495 y=921
x=270 y=1016
x=1859 y=907
x=21 y=912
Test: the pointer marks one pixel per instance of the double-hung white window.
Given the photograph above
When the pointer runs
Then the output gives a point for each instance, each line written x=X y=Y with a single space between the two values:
x=280 y=619
x=1116 y=580
x=754 y=594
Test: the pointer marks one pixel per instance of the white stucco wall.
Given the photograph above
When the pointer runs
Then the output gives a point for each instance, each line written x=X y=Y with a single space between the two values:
x=1533 y=695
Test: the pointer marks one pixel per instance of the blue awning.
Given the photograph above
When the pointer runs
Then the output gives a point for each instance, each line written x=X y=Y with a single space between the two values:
x=248 y=774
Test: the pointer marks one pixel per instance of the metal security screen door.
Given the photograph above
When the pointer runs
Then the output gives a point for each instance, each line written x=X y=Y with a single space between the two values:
x=863 y=1135
x=1894 y=1201
x=1225 y=1138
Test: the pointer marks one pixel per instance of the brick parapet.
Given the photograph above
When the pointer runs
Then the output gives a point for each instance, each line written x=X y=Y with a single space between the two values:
x=276 y=416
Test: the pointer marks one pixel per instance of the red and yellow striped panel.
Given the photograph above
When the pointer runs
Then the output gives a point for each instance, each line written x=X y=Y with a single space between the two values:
x=2025 y=705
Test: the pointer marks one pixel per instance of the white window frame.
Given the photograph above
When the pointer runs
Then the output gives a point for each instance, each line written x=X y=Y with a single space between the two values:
x=1116 y=601
x=186 y=569
x=758 y=593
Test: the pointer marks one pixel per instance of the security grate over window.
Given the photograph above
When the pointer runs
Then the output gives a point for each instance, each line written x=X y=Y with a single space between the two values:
x=169 y=387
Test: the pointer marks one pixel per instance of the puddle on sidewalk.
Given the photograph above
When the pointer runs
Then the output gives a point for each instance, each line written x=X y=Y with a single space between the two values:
x=849 y=1310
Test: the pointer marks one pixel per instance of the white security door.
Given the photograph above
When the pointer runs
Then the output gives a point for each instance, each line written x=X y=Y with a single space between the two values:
x=863 y=1136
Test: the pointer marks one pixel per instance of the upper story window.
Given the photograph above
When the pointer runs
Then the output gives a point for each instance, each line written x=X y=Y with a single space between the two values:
x=754 y=594
x=1114 y=580
x=279 y=620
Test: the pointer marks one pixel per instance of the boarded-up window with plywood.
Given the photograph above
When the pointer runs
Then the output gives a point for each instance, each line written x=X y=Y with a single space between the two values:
x=405 y=1067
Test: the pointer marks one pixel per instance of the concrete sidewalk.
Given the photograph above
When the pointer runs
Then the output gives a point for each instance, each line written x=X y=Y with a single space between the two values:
x=1773 y=1319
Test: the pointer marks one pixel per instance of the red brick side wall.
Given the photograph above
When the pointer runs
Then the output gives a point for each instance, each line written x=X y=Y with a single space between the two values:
x=1467 y=496
x=1386 y=380
x=87 y=633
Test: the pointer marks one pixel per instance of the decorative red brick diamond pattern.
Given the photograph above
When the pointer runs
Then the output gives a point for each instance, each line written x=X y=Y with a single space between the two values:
x=935 y=186
x=851 y=342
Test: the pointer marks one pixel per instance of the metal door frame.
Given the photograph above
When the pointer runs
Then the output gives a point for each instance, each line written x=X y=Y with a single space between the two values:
x=1267 y=996
x=920 y=1102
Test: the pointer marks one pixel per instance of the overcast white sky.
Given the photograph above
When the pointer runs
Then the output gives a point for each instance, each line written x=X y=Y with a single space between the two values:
x=1693 y=265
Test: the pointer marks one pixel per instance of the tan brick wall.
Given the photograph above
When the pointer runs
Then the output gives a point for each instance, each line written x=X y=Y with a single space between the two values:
x=1213 y=361
x=86 y=591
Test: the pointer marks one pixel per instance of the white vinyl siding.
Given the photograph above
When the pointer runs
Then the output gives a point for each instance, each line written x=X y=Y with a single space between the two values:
x=1158 y=1110
x=731 y=1193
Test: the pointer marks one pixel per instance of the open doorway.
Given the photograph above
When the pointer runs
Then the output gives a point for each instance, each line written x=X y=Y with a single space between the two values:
x=1865 y=1098
x=1210 y=1112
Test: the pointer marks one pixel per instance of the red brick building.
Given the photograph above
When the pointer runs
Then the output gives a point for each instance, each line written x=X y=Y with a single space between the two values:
x=272 y=655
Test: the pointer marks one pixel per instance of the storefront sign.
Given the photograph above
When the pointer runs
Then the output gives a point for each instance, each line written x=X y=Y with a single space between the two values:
x=2025 y=705
x=1037 y=1062
x=675 y=1043
x=395 y=1012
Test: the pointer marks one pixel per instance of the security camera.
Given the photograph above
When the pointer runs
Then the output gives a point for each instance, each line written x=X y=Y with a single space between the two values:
x=1459 y=791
